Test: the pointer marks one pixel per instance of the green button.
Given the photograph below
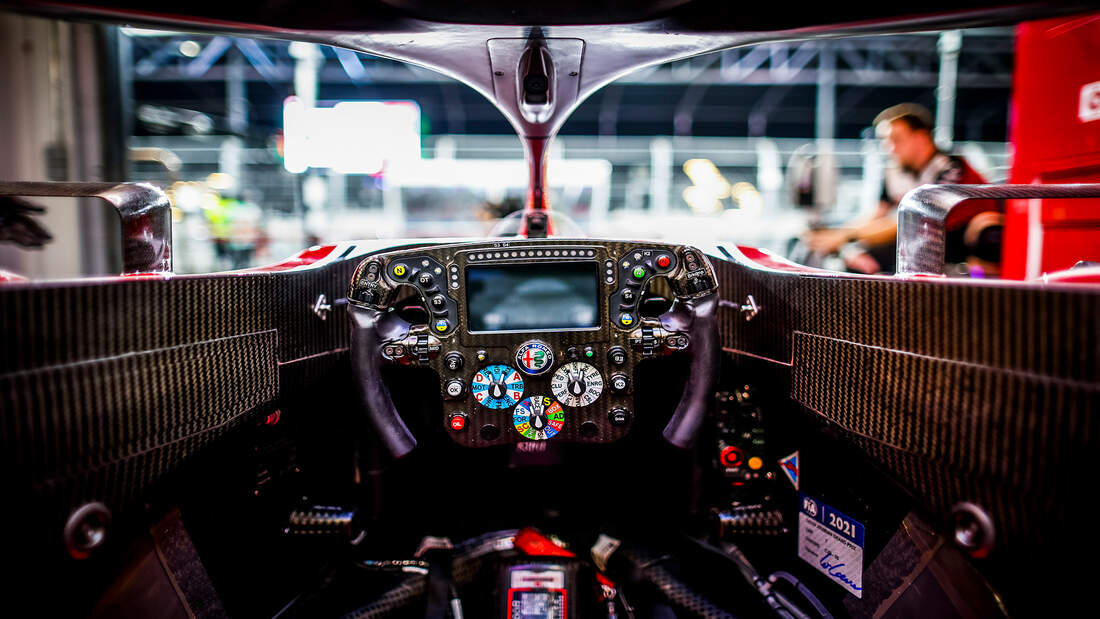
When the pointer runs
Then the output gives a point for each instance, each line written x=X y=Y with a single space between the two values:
x=639 y=272
x=588 y=353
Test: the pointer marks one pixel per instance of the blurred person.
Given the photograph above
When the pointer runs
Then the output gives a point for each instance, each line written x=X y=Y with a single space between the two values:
x=236 y=230
x=870 y=245
x=494 y=210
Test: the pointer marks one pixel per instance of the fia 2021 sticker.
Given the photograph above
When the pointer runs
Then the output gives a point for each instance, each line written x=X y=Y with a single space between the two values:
x=832 y=543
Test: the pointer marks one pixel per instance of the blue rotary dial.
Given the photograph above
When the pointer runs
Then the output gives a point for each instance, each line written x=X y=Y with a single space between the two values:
x=497 y=386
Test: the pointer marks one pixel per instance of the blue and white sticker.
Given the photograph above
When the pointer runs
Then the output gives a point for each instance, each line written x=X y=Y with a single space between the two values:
x=832 y=543
x=789 y=466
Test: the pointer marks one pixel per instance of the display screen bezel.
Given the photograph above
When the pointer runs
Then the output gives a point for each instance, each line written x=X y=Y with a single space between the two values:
x=592 y=266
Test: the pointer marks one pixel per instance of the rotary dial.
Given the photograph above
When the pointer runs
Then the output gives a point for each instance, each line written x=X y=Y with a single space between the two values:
x=577 y=384
x=538 y=418
x=497 y=386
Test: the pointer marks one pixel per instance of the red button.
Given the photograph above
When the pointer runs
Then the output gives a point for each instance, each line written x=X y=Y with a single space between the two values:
x=663 y=262
x=458 y=422
x=731 y=457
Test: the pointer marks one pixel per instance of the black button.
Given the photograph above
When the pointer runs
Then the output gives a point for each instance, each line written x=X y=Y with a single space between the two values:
x=439 y=301
x=628 y=296
x=454 y=361
x=364 y=295
x=571 y=352
x=620 y=383
x=489 y=432
x=617 y=355
x=425 y=279
x=589 y=429
x=373 y=267
x=619 y=417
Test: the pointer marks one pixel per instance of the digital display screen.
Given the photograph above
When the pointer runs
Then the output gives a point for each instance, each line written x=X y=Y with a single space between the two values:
x=532 y=297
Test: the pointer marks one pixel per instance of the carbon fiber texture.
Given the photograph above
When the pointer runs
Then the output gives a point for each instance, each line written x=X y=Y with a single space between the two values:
x=1050 y=331
x=105 y=386
x=391 y=602
x=977 y=420
x=653 y=571
x=919 y=573
x=964 y=391
x=1017 y=444
x=51 y=324
x=131 y=416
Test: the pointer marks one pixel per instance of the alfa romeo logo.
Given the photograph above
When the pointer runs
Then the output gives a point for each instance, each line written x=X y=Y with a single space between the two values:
x=534 y=357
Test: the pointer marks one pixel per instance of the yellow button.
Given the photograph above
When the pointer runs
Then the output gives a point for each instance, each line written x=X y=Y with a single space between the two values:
x=399 y=270
x=755 y=463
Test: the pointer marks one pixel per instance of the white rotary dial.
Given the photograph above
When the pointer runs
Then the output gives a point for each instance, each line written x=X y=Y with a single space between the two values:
x=576 y=384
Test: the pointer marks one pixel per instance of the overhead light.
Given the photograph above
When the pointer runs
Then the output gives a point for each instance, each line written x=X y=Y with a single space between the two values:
x=221 y=181
x=130 y=31
x=352 y=137
x=708 y=188
x=190 y=48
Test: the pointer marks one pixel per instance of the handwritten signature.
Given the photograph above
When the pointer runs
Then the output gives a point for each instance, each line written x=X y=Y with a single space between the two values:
x=833 y=569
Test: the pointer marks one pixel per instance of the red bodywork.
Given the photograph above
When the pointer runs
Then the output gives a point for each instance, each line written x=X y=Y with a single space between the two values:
x=1055 y=139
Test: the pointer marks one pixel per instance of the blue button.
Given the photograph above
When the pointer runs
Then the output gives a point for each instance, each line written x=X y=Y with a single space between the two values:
x=442 y=325
x=626 y=320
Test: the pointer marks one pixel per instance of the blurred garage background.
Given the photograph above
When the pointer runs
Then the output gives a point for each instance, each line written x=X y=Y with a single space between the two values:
x=266 y=147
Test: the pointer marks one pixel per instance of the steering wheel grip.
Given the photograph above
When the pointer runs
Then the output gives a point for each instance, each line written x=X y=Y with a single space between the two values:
x=369 y=328
x=697 y=317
